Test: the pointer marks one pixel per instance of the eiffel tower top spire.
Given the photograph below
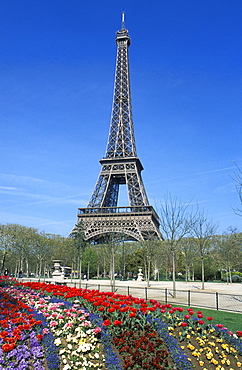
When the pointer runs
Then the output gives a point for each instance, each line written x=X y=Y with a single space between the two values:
x=121 y=140
x=123 y=24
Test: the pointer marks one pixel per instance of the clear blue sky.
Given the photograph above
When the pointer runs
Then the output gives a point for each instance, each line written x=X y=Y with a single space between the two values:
x=57 y=69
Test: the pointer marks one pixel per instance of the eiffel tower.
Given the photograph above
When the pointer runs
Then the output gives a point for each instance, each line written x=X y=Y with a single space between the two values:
x=120 y=165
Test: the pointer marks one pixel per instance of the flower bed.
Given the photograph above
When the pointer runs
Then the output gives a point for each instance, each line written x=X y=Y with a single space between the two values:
x=67 y=328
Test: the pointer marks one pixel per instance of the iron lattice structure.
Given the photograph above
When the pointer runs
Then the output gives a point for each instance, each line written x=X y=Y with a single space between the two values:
x=120 y=165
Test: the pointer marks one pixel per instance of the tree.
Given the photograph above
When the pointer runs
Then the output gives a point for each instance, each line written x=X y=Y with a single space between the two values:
x=149 y=250
x=203 y=230
x=229 y=251
x=6 y=243
x=188 y=249
x=238 y=180
x=176 y=221
x=78 y=234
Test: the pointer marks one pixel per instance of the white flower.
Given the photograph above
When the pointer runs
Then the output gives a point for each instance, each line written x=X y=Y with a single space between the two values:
x=57 y=342
x=66 y=367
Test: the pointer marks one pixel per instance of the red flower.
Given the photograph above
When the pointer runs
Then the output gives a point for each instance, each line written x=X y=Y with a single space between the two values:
x=209 y=318
x=239 y=333
x=117 y=322
x=187 y=317
x=106 y=322
x=151 y=309
x=132 y=314
x=201 y=322
x=111 y=309
x=39 y=336
x=8 y=347
x=199 y=315
x=3 y=334
x=220 y=326
x=123 y=309
x=183 y=324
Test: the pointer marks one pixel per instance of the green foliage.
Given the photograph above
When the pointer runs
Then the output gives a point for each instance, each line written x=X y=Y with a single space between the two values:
x=89 y=262
x=210 y=270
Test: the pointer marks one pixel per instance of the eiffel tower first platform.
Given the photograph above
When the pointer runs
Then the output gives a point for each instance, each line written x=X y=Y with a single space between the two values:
x=120 y=165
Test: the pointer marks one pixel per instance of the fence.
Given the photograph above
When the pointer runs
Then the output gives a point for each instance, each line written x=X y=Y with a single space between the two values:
x=190 y=298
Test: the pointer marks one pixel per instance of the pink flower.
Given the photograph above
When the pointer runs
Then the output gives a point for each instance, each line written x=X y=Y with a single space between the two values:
x=68 y=325
x=96 y=330
x=53 y=323
x=45 y=331
x=59 y=317
x=86 y=323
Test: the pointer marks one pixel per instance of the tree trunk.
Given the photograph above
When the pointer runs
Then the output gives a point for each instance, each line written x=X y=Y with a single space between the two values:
x=202 y=273
x=230 y=275
x=112 y=278
x=188 y=273
x=148 y=274
x=3 y=262
x=80 y=270
x=174 y=273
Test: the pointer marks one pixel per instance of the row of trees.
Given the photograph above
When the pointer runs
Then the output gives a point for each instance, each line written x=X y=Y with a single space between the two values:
x=25 y=250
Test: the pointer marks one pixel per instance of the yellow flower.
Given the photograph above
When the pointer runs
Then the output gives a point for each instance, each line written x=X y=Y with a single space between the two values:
x=228 y=362
x=201 y=363
x=239 y=364
x=195 y=353
x=209 y=355
x=189 y=346
x=215 y=362
x=188 y=336
x=211 y=344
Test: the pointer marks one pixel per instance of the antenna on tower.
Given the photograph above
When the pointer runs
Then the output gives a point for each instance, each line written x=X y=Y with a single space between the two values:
x=123 y=25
